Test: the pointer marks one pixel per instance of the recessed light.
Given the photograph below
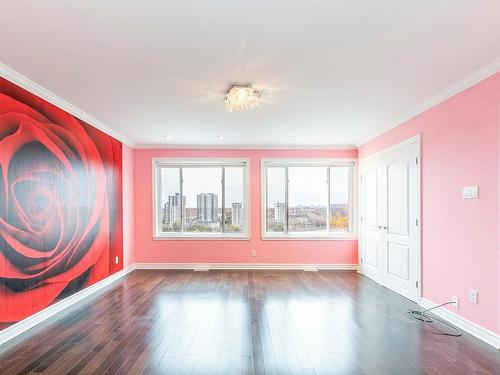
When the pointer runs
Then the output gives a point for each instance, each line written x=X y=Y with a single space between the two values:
x=343 y=138
x=220 y=137
x=290 y=137
x=167 y=137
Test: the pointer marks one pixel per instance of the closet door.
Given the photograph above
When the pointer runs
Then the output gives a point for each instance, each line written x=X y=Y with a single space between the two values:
x=400 y=238
x=371 y=217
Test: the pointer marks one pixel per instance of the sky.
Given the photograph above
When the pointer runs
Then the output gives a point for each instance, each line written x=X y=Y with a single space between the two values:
x=204 y=180
x=308 y=186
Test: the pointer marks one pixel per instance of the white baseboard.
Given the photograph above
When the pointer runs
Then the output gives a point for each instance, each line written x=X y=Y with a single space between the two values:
x=20 y=327
x=244 y=266
x=481 y=333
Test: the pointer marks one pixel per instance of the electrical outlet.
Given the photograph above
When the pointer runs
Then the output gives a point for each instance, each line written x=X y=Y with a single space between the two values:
x=473 y=296
x=455 y=301
x=117 y=260
x=254 y=253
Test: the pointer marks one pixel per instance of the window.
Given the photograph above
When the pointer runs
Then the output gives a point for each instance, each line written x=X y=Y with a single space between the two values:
x=202 y=198
x=308 y=198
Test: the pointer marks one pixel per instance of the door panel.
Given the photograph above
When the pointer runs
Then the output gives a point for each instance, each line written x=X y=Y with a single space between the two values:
x=400 y=249
x=370 y=220
x=371 y=253
x=397 y=202
x=398 y=261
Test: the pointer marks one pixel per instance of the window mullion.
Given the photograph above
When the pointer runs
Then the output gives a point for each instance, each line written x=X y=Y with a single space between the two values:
x=159 y=195
x=267 y=198
x=328 y=176
x=286 y=199
x=181 y=183
x=223 y=216
x=350 y=198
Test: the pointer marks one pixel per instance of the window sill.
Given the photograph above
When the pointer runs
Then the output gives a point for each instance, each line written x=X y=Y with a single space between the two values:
x=298 y=237
x=202 y=237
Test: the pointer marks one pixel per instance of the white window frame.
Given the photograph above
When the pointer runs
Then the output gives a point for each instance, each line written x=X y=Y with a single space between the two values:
x=310 y=162
x=158 y=163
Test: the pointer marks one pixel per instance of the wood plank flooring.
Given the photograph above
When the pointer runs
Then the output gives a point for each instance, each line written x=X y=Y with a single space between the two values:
x=244 y=322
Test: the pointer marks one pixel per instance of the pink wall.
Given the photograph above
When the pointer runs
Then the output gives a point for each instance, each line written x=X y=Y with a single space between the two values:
x=230 y=251
x=460 y=240
x=128 y=205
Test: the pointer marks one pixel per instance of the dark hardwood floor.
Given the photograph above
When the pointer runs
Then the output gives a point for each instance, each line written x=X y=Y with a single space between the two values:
x=248 y=322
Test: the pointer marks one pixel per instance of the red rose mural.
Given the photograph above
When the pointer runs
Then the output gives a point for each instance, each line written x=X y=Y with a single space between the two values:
x=60 y=204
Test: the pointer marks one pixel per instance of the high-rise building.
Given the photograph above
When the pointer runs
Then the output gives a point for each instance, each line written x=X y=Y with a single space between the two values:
x=237 y=214
x=280 y=212
x=172 y=209
x=207 y=207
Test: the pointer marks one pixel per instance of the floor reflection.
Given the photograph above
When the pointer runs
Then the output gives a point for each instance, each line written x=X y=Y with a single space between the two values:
x=244 y=322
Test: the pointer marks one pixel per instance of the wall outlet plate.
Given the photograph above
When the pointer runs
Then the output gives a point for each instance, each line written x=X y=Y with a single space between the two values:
x=473 y=295
x=117 y=260
x=470 y=192
x=455 y=301
x=253 y=253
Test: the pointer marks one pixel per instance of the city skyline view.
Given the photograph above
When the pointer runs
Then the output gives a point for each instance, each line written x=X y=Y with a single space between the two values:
x=203 y=180
x=308 y=197
x=206 y=217
x=202 y=199
x=308 y=218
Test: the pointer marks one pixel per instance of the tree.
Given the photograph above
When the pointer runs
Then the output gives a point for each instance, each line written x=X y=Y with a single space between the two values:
x=338 y=221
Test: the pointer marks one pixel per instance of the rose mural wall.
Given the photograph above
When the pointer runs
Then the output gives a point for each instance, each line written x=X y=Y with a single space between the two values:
x=60 y=204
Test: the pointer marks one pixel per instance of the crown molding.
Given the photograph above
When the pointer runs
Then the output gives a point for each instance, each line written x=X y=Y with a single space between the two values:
x=172 y=146
x=468 y=81
x=25 y=83
x=461 y=85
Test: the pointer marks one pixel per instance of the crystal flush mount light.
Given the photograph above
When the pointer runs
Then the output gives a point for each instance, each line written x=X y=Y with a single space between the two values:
x=241 y=98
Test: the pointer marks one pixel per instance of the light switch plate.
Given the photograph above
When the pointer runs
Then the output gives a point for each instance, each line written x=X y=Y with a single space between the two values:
x=470 y=192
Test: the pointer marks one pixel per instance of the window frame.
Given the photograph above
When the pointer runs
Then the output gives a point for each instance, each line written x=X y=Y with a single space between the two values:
x=158 y=163
x=312 y=162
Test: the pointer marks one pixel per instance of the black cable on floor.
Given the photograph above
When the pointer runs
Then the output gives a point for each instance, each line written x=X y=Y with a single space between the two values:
x=424 y=317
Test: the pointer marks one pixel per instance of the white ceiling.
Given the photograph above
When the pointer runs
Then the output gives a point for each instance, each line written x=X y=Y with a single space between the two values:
x=331 y=72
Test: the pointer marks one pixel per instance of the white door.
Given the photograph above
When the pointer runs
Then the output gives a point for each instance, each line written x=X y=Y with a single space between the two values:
x=371 y=216
x=401 y=235
x=390 y=237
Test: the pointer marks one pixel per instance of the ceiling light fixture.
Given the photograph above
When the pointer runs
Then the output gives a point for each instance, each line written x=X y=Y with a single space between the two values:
x=220 y=137
x=241 y=98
